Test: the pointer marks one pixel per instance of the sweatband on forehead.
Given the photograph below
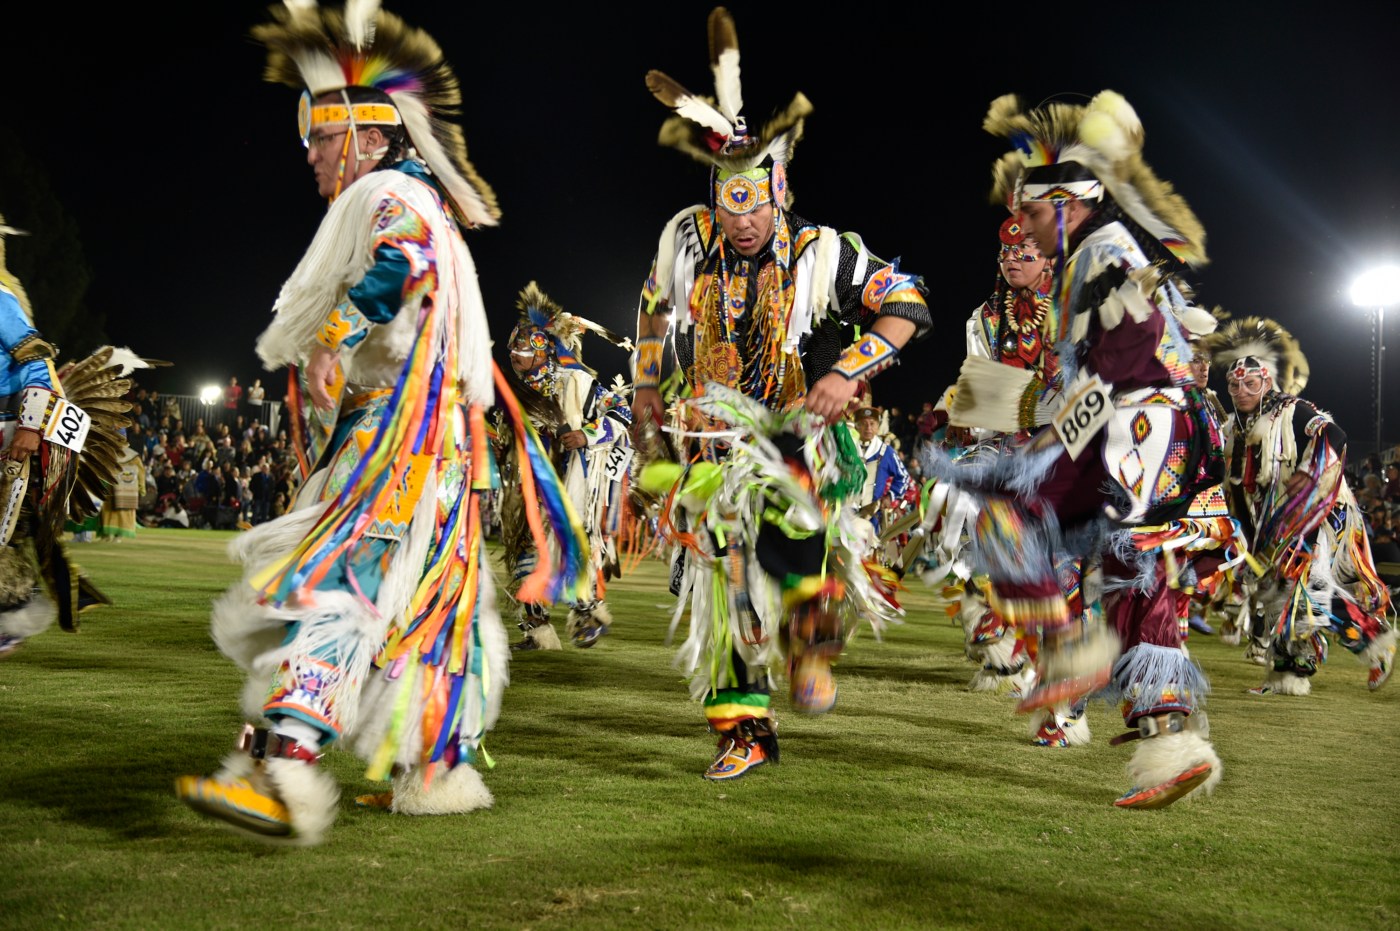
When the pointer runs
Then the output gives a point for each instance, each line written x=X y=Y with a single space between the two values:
x=1058 y=182
x=311 y=115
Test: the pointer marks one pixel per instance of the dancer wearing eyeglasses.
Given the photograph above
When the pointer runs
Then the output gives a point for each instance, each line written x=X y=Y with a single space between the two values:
x=1286 y=486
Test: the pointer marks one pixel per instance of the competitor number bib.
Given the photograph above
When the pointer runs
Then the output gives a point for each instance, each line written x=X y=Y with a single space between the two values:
x=1083 y=414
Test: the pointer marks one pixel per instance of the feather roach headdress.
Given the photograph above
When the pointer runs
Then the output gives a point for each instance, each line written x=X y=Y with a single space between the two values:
x=747 y=169
x=324 y=50
x=544 y=325
x=1257 y=344
x=1064 y=151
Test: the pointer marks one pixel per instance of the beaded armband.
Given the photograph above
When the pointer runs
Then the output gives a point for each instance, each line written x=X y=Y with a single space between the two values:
x=33 y=347
x=1317 y=424
x=866 y=357
x=35 y=407
x=649 y=350
x=344 y=327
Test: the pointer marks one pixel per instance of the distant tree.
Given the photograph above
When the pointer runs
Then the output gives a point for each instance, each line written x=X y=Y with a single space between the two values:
x=49 y=261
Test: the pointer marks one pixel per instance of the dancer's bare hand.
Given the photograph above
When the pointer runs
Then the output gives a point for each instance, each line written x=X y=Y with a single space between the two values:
x=1297 y=482
x=23 y=445
x=646 y=408
x=321 y=376
x=830 y=395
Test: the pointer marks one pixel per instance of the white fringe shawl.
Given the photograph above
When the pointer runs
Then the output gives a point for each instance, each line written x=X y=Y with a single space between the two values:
x=340 y=254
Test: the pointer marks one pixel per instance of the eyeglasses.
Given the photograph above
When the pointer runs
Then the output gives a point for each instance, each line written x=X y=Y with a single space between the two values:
x=1020 y=254
x=317 y=140
x=1249 y=384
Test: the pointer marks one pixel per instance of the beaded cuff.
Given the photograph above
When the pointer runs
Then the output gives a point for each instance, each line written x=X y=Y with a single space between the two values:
x=35 y=406
x=649 y=351
x=867 y=357
x=343 y=327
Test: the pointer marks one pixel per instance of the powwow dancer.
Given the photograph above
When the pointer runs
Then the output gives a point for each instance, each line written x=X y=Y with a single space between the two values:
x=1287 y=487
x=888 y=497
x=364 y=616
x=757 y=300
x=1131 y=423
x=1199 y=324
x=587 y=427
x=1009 y=384
x=60 y=438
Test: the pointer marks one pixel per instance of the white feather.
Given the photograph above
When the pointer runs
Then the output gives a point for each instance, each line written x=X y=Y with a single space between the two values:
x=126 y=360
x=418 y=121
x=698 y=110
x=361 y=18
x=728 y=91
x=320 y=71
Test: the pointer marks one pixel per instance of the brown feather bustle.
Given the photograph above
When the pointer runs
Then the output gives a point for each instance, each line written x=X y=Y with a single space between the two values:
x=96 y=385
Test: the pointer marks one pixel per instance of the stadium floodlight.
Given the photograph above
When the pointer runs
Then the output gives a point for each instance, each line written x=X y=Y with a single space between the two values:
x=1378 y=289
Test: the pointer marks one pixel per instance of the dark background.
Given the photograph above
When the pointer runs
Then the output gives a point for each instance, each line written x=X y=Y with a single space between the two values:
x=186 y=197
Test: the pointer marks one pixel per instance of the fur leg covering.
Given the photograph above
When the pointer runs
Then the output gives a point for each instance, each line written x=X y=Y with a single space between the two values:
x=989 y=680
x=1159 y=760
x=1066 y=672
x=543 y=637
x=587 y=622
x=1059 y=727
x=1284 y=683
x=1380 y=657
x=309 y=794
x=33 y=617
x=452 y=792
x=1095 y=652
x=1001 y=664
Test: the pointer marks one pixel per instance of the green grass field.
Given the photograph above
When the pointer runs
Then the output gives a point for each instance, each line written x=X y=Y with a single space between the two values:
x=914 y=804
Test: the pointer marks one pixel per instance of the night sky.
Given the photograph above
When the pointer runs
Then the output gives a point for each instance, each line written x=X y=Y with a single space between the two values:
x=185 y=175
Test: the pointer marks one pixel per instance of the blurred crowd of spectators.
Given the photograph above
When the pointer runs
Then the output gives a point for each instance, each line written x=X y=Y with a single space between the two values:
x=1377 y=490
x=223 y=472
